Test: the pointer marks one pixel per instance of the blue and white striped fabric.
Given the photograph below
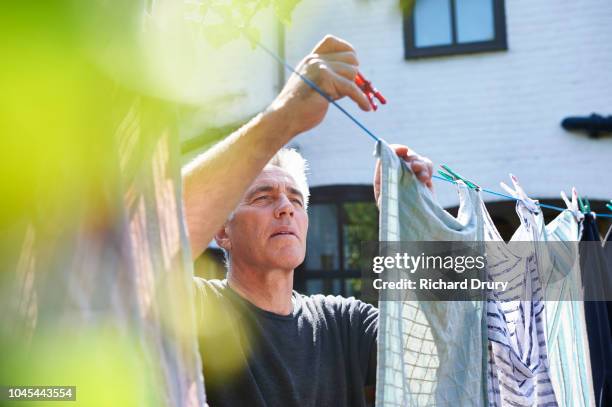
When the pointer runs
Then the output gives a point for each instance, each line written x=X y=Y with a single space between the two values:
x=518 y=372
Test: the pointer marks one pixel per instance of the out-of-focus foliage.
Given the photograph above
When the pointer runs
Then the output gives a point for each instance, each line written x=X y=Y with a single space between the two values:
x=226 y=20
x=64 y=62
x=106 y=369
x=88 y=167
x=54 y=111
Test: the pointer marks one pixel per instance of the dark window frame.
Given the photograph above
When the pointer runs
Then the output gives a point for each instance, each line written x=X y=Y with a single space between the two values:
x=498 y=43
x=336 y=195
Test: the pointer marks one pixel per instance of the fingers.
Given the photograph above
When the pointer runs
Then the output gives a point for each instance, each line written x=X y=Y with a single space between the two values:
x=419 y=169
x=421 y=166
x=335 y=78
x=377 y=183
x=346 y=87
x=348 y=57
x=346 y=70
x=338 y=58
x=331 y=43
x=401 y=150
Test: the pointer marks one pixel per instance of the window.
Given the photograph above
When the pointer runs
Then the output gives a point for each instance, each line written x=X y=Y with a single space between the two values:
x=448 y=27
x=340 y=219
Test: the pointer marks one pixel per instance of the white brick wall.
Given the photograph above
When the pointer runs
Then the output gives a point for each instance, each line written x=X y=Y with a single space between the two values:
x=485 y=115
x=234 y=80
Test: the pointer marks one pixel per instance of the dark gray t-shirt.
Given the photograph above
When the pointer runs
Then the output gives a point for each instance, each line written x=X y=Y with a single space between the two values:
x=323 y=354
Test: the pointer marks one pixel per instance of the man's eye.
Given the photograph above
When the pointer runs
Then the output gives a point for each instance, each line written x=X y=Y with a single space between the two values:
x=298 y=201
x=261 y=198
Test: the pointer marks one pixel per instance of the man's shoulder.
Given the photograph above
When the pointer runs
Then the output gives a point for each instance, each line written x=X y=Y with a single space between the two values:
x=337 y=305
x=210 y=294
x=213 y=308
x=209 y=287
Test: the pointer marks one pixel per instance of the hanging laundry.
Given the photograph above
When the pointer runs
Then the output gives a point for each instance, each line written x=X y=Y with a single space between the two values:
x=607 y=246
x=429 y=352
x=596 y=275
x=566 y=335
x=609 y=235
x=517 y=367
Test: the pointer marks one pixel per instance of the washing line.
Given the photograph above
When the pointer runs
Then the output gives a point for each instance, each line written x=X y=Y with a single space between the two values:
x=370 y=133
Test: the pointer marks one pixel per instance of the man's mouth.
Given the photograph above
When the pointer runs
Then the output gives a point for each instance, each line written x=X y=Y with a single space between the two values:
x=284 y=233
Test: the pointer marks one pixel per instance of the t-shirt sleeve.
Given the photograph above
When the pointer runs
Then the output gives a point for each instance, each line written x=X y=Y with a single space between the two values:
x=363 y=319
x=369 y=327
x=207 y=294
x=199 y=295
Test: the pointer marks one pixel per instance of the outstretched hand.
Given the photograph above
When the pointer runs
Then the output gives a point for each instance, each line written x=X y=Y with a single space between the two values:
x=421 y=166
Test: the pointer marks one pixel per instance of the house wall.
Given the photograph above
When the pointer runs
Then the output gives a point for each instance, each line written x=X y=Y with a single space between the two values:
x=484 y=115
x=237 y=81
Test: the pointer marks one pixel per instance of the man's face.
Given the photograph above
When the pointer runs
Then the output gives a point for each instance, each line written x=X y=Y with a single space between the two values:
x=268 y=229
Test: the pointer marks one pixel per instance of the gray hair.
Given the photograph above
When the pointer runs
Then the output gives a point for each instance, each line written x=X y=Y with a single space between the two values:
x=291 y=161
x=295 y=165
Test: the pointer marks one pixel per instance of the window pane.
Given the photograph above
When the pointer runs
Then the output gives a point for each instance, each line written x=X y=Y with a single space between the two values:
x=327 y=286
x=322 y=241
x=474 y=20
x=360 y=224
x=432 y=24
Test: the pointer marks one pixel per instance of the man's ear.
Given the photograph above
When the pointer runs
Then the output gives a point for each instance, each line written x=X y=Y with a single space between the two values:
x=222 y=238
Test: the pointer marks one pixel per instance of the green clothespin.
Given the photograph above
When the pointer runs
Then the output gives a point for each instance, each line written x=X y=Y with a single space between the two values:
x=585 y=205
x=609 y=205
x=454 y=176
x=446 y=176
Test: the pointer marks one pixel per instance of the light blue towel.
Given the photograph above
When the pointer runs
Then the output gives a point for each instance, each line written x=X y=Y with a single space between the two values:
x=429 y=353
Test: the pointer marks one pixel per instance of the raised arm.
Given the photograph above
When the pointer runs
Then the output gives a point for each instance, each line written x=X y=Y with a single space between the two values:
x=214 y=182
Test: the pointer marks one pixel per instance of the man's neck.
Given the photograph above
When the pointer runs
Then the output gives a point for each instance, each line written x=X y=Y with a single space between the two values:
x=269 y=290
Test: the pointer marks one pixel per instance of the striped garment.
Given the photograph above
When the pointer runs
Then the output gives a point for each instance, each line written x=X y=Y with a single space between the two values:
x=517 y=371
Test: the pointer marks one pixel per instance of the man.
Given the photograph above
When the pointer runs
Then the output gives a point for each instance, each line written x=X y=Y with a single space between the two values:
x=263 y=344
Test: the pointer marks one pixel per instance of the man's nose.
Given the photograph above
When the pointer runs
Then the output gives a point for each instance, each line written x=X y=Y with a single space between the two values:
x=283 y=207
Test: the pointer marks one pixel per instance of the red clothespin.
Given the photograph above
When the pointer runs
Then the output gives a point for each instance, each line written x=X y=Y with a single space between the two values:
x=370 y=91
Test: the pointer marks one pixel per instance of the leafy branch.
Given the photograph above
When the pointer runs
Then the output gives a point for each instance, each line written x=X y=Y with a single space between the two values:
x=222 y=21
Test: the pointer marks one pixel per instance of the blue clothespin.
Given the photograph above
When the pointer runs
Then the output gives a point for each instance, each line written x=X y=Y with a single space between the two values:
x=609 y=205
x=454 y=176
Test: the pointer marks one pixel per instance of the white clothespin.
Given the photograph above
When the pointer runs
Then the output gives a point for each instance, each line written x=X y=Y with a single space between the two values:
x=519 y=194
x=573 y=204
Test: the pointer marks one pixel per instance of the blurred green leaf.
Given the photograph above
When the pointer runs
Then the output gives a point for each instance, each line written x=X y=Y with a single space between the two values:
x=224 y=18
x=253 y=35
x=284 y=9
